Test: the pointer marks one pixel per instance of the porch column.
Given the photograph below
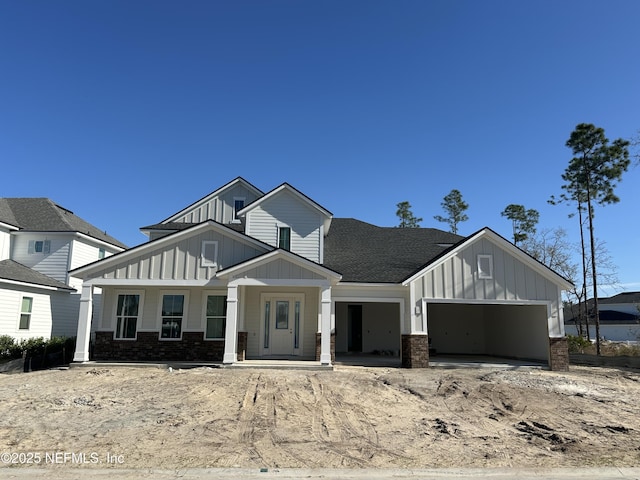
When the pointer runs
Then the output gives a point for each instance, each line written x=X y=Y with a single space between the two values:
x=325 y=326
x=231 y=333
x=84 y=324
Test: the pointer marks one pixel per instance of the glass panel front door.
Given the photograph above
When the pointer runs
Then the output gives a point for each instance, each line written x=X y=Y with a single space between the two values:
x=281 y=328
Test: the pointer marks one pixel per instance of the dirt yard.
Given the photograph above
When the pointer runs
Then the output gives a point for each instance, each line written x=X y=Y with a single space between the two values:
x=352 y=417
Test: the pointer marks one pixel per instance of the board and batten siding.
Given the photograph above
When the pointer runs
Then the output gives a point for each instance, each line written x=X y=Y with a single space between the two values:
x=280 y=269
x=182 y=260
x=219 y=208
x=285 y=210
x=457 y=278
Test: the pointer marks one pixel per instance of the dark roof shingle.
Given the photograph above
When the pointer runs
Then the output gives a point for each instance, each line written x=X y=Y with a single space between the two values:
x=363 y=252
x=12 y=270
x=43 y=215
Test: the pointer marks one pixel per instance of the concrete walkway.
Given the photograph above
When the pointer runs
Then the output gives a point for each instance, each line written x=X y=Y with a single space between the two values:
x=63 y=472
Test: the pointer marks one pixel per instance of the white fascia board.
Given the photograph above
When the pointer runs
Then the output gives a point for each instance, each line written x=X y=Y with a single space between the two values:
x=110 y=282
x=8 y=226
x=215 y=193
x=72 y=234
x=504 y=244
x=36 y=285
x=99 y=242
x=270 y=256
x=166 y=240
x=269 y=282
x=290 y=189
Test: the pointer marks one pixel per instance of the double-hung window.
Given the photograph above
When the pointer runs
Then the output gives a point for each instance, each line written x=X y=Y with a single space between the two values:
x=127 y=313
x=284 y=238
x=216 y=316
x=25 y=313
x=172 y=316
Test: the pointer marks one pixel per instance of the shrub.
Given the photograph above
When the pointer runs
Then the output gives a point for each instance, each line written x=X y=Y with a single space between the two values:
x=10 y=348
x=577 y=344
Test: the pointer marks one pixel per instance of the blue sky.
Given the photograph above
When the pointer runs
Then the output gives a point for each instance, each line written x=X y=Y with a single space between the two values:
x=126 y=111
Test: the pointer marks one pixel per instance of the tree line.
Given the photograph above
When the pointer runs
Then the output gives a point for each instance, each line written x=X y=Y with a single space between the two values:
x=590 y=179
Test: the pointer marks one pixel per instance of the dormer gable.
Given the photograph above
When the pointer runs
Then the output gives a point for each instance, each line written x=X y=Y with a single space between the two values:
x=286 y=218
x=220 y=205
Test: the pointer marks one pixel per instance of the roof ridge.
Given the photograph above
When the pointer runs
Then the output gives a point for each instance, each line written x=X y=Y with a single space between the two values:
x=62 y=216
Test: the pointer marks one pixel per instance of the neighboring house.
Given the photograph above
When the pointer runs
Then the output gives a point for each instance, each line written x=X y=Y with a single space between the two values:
x=619 y=318
x=242 y=274
x=39 y=243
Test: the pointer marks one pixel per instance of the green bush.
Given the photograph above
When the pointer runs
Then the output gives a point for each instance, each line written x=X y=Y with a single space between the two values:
x=577 y=344
x=10 y=349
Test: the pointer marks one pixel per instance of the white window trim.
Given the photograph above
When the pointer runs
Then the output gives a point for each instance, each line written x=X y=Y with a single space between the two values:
x=30 y=313
x=279 y=226
x=46 y=247
x=482 y=274
x=204 y=261
x=208 y=293
x=234 y=218
x=185 y=313
x=140 y=293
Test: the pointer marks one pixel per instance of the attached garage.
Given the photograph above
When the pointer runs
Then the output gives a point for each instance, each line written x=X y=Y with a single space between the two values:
x=484 y=296
x=501 y=330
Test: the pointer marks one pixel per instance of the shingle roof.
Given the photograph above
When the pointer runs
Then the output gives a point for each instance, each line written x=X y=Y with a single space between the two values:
x=43 y=215
x=362 y=252
x=12 y=270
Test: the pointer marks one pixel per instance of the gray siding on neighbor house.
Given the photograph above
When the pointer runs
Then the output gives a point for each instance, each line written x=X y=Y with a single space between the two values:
x=286 y=210
x=458 y=278
x=181 y=260
x=54 y=264
x=218 y=208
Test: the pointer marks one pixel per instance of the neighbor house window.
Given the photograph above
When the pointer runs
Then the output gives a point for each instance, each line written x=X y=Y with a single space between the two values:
x=25 y=313
x=209 y=253
x=39 y=246
x=216 y=316
x=172 y=316
x=485 y=266
x=238 y=204
x=284 y=238
x=101 y=253
x=127 y=313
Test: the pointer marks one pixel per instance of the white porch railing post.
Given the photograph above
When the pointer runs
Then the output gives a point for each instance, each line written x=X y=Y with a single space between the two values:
x=84 y=325
x=325 y=331
x=231 y=333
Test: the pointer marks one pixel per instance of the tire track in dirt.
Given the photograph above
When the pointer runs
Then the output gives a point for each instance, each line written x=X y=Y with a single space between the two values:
x=358 y=437
x=258 y=425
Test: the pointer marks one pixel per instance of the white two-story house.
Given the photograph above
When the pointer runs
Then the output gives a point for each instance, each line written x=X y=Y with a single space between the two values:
x=40 y=242
x=244 y=274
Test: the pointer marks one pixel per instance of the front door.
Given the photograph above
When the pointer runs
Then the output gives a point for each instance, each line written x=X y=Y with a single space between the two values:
x=283 y=325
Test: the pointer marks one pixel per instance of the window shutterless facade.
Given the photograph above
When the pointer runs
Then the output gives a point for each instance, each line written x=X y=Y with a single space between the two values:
x=127 y=314
x=284 y=238
x=216 y=315
x=173 y=310
x=25 y=313
x=485 y=267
